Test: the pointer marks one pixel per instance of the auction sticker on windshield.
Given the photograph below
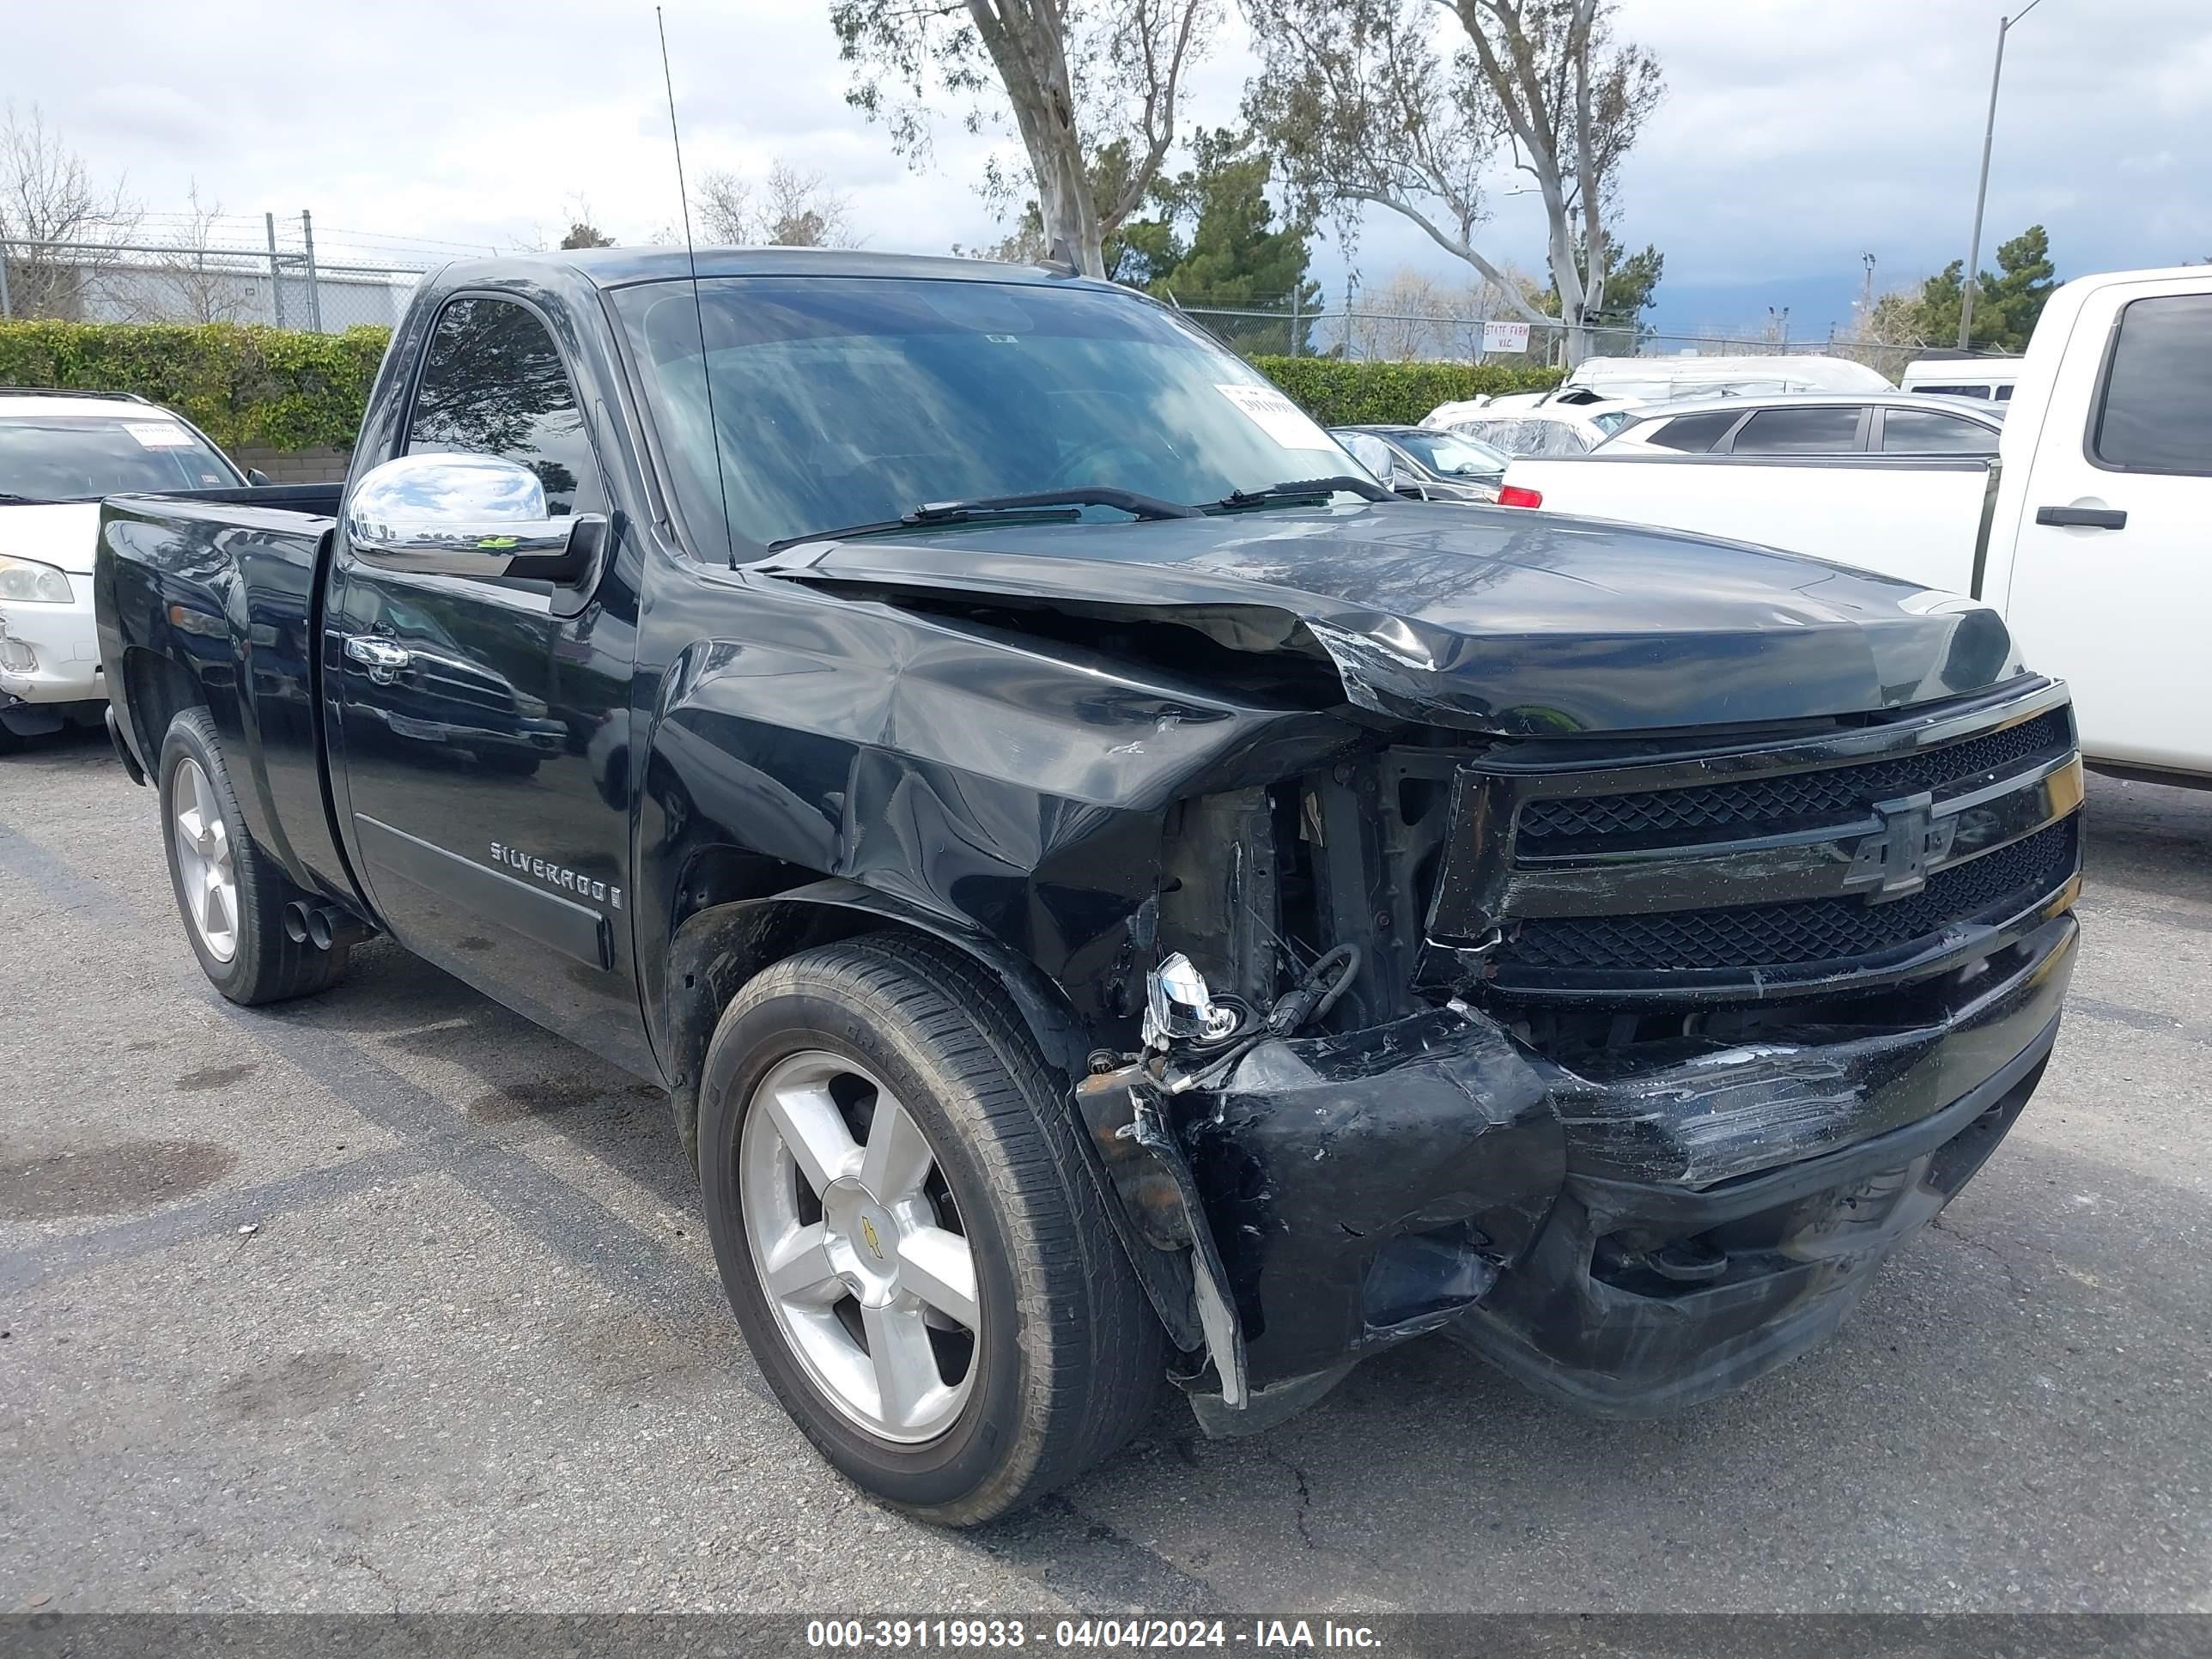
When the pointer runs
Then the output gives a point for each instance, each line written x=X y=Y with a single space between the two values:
x=160 y=434
x=1278 y=416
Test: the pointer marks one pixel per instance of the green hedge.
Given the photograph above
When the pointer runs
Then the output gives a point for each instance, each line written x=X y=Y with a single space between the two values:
x=1340 y=392
x=242 y=386
x=287 y=390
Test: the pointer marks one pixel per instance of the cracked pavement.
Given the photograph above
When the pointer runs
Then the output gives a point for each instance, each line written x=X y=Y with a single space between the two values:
x=473 y=1354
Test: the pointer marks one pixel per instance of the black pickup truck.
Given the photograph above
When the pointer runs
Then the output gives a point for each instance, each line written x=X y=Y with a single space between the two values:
x=1110 y=891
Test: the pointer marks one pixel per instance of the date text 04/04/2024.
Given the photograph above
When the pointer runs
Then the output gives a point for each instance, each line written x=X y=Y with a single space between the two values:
x=1259 y=1634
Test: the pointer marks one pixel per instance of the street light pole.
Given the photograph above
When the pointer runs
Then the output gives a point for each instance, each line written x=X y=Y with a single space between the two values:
x=1982 y=190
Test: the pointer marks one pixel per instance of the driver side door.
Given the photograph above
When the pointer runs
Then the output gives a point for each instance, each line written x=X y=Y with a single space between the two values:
x=485 y=720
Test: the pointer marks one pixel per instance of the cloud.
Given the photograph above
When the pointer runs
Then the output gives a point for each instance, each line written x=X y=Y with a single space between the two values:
x=157 y=114
x=1797 y=134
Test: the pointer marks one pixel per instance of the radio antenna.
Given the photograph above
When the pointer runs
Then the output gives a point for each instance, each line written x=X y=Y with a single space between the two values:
x=698 y=310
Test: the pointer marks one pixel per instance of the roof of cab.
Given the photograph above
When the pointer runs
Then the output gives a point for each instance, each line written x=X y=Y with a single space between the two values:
x=620 y=267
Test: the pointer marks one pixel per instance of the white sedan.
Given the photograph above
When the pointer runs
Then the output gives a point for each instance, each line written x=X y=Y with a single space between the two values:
x=1549 y=429
x=60 y=452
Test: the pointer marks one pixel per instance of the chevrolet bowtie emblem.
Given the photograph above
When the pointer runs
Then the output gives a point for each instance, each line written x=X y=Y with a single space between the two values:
x=1893 y=861
x=868 y=1232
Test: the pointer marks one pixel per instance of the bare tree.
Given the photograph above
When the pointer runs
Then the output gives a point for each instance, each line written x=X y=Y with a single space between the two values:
x=1092 y=88
x=1886 y=331
x=1021 y=246
x=1411 y=316
x=723 y=209
x=48 y=197
x=1363 y=107
x=584 y=226
x=205 y=292
x=792 y=207
x=1405 y=319
x=800 y=210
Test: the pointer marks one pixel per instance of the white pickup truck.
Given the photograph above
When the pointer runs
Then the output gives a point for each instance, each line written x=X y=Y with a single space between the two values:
x=2091 y=530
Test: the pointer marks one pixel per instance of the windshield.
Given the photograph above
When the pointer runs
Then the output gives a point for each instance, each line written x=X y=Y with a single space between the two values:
x=81 y=457
x=841 y=400
x=1452 y=456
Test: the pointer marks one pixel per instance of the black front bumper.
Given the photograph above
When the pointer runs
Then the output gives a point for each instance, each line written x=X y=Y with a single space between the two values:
x=1630 y=1236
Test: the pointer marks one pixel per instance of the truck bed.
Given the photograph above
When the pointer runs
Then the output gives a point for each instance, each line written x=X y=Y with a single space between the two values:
x=317 y=500
x=219 y=587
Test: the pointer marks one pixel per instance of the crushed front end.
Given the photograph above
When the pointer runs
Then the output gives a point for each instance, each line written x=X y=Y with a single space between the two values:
x=1656 y=1048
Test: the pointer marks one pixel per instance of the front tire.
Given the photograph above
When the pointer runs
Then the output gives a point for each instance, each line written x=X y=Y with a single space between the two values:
x=230 y=892
x=917 y=1258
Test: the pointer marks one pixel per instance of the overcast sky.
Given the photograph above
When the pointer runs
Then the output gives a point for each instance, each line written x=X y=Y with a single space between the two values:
x=1796 y=135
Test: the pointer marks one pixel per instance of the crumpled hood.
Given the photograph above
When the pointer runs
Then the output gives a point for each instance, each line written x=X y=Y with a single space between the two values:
x=60 y=533
x=1497 y=620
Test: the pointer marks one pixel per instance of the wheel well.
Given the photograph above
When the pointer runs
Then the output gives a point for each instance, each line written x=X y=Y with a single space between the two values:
x=159 y=690
x=717 y=949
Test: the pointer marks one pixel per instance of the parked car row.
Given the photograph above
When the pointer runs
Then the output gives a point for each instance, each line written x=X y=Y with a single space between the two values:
x=1809 y=403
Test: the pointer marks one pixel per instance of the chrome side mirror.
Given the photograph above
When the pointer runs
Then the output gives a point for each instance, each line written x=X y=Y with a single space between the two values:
x=465 y=515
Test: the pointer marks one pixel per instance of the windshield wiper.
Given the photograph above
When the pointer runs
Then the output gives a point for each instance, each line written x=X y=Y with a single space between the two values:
x=1299 y=490
x=1039 y=506
x=8 y=498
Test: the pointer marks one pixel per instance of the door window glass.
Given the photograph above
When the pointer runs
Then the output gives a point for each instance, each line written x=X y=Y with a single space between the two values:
x=2156 y=414
x=1930 y=432
x=1825 y=429
x=1695 y=435
x=493 y=384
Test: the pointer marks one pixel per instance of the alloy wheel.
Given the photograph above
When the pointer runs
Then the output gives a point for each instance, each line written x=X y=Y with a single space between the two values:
x=207 y=875
x=859 y=1246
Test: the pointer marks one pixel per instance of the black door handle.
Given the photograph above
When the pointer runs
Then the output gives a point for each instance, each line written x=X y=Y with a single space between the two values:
x=2082 y=518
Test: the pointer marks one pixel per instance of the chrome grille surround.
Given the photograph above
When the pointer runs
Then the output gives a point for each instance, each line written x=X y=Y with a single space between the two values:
x=1768 y=867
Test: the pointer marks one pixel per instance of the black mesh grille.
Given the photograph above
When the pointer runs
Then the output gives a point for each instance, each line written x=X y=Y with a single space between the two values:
x=1815 y=930
x=1846 y=791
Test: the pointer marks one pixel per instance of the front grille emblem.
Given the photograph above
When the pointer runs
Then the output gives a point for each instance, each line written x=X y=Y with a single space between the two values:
x=1893 y=862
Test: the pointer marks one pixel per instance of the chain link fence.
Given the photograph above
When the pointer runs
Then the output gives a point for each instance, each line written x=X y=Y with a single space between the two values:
x=211 y=278
x=1289 y=329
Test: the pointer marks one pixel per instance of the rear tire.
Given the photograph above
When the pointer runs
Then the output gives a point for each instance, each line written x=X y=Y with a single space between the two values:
x=1064 y=1358
x=229 y=893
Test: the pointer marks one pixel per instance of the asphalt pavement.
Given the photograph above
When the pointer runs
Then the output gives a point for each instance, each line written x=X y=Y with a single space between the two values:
x=390 y=1300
